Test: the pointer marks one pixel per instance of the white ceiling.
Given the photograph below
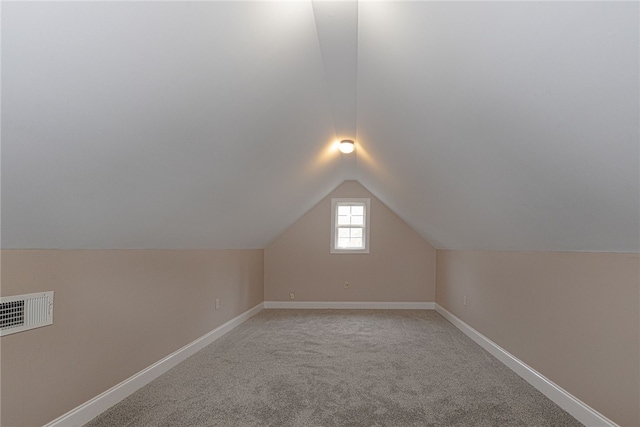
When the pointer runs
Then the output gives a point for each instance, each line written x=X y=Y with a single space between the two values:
x=497 y=126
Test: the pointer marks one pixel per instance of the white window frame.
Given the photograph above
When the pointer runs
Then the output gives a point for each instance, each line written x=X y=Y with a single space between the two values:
x=335 y=202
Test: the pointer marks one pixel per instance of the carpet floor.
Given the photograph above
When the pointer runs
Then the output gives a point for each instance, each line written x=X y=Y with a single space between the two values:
x=339 y=368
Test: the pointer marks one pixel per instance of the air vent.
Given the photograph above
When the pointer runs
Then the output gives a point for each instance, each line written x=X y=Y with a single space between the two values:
x=22 y=312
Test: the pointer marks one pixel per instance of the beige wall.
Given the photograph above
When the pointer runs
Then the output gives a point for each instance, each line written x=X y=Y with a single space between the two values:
x=400 y=266
x=574 y=317
x=116 y=312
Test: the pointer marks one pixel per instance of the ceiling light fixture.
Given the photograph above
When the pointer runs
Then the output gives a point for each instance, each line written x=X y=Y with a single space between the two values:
x=347 y=146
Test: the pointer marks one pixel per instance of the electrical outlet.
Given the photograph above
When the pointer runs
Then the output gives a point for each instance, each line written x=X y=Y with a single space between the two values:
x=346 y=285
x=464 y=300
x=292 y=295
x=217 y=303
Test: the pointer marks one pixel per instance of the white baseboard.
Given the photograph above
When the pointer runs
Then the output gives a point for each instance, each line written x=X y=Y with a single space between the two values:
x=351 y=305
x=578 y=409
x=94 y=407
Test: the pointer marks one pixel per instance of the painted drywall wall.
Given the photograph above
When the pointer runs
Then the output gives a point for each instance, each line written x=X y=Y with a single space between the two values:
x=574 y=317
x=116 y=312
x=399 y=268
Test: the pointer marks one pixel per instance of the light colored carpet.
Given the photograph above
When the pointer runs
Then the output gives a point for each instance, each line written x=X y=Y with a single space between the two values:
x=339 y=368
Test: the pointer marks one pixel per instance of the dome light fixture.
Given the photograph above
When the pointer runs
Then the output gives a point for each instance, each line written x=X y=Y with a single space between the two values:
x=347 y=146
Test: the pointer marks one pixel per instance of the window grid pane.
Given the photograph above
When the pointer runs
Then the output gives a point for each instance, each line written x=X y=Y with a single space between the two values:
x=344 y=210
x=355 y=243
x=350 y=238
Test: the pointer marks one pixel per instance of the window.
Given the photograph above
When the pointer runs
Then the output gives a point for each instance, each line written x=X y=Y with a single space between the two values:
x=350 y=226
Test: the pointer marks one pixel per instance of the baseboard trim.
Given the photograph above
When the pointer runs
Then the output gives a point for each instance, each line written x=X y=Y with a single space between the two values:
x=578 y=409
x=94 y=407
x=351 y=305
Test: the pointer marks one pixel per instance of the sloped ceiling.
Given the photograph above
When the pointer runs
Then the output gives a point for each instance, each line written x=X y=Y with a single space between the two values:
x=497 y=126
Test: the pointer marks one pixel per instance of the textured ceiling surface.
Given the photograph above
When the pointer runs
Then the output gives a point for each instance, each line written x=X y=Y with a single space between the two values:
x=484 y=125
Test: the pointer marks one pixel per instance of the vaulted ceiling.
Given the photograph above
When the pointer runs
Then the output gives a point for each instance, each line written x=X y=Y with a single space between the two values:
x=484 y=125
